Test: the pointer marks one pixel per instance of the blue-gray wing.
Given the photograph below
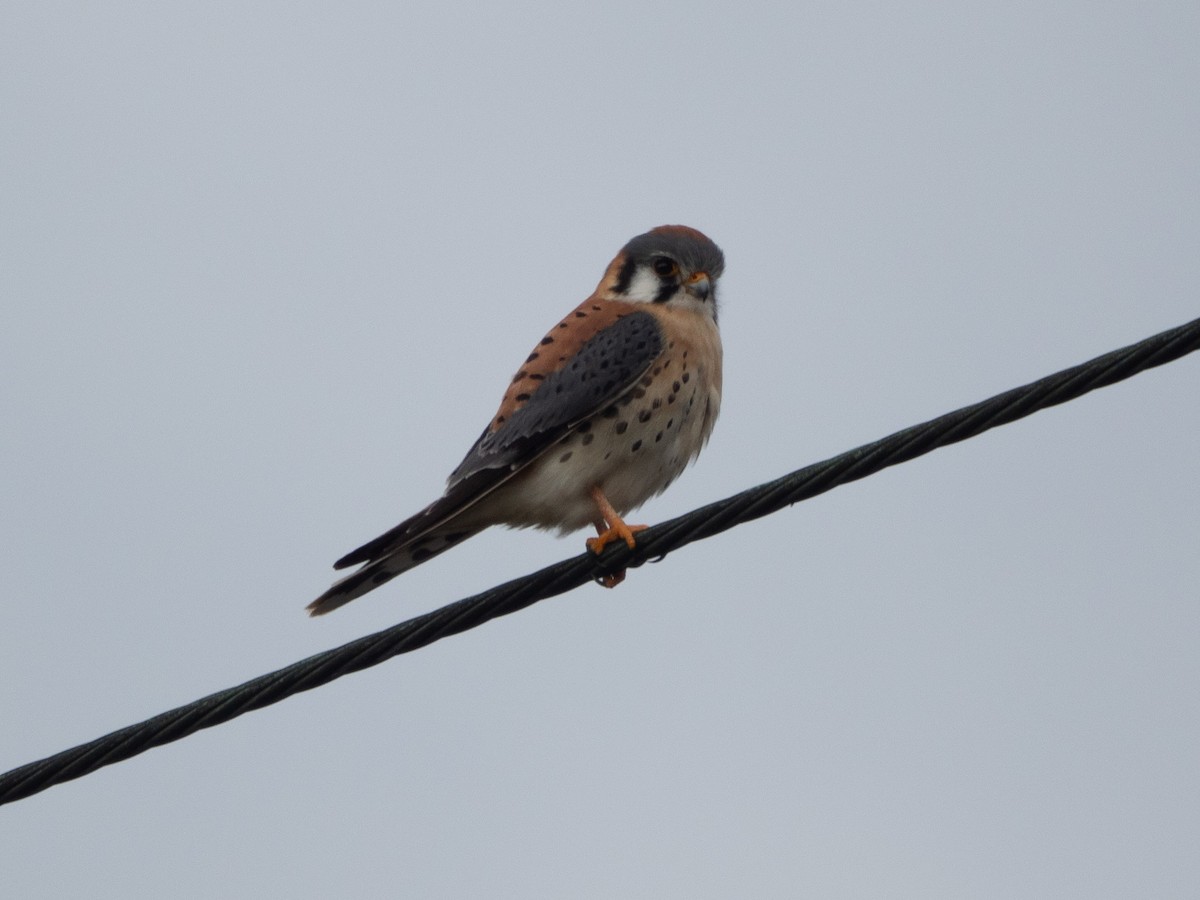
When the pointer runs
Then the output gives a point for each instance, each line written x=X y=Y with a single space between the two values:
x=606 y=368
x=604 y=371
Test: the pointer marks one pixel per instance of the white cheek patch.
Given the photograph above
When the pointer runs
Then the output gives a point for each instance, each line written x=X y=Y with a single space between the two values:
x=644 y=287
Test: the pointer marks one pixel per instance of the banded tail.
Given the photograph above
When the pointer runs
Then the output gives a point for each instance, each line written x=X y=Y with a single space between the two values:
x=383 y=563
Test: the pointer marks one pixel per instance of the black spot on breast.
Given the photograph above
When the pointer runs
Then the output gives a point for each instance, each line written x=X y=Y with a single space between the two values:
x=566 y=456
x=644 y=416
x=637 y=445
x=521 y=398
x=519 y=376
x=531 y=357
x=547 y=340
x=658 y=437
x=675 y=387
x=587 y=439
x=563 y=325
x=537 y=377
x=685 y=378
x=580 y=314
x=621 y=427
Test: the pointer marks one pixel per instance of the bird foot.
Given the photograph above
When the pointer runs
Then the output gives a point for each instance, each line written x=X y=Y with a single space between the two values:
x=610 y=527
x=617 y=531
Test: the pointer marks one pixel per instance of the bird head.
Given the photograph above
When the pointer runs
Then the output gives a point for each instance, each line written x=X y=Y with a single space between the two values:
x=672 y=264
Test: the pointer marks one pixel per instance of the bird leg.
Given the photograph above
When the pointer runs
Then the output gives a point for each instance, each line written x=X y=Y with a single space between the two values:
x=616 y=527
x=610 y=527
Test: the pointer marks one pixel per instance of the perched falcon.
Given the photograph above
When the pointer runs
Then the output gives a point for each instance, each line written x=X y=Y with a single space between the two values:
x=608 y=409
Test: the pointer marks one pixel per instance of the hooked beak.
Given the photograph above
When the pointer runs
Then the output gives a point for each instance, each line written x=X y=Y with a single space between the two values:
x=699 y=286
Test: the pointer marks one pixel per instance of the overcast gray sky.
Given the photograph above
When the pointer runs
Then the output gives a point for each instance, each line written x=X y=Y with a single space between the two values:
x=265 y=271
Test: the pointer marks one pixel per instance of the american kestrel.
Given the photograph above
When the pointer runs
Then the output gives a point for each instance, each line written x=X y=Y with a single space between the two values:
x=611 y=405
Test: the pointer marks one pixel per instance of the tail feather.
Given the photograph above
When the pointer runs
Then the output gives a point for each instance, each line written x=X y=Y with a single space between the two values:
x=379 y=571
x=438 y=515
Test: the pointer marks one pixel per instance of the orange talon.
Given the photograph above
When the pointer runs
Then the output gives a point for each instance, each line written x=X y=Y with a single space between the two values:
x=611 y=580
x=618 y=530
x=610 y=527
x=616 y=527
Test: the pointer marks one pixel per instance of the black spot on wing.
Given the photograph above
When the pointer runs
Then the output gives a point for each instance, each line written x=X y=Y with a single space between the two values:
x=605 y=368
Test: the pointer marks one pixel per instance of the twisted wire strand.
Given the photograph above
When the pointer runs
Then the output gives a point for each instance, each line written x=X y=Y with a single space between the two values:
x=551 y=581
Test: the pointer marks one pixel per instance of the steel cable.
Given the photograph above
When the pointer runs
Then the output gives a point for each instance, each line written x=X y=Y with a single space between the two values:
x=652 y=544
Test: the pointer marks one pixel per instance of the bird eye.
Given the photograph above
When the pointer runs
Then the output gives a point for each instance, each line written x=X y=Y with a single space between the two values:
x=665 y=266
